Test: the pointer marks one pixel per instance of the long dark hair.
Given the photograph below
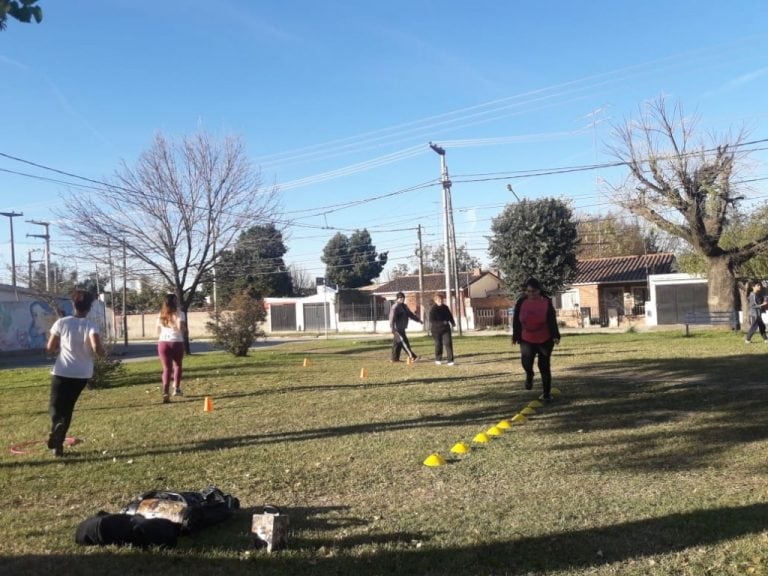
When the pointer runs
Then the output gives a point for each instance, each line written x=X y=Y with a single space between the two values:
x=536 y=285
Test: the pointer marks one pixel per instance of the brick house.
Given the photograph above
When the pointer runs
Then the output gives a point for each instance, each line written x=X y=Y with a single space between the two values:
x=484 y=302
x=608 y=291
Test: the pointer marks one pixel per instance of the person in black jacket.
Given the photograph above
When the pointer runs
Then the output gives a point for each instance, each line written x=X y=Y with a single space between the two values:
x=440 y=322
x=398 y=322
x=534 y=328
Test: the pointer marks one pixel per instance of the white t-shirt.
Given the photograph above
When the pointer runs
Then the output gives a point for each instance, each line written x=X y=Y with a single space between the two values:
x=75 y=359
x=172 y=333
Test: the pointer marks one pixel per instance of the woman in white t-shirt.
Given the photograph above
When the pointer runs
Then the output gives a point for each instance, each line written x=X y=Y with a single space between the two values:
x=74 y=340
x=171 y=324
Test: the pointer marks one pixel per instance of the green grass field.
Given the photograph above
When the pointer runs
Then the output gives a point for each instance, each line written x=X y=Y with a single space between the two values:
x=651 y=461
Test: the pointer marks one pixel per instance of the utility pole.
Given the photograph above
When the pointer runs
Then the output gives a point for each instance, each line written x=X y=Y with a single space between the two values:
x=125 y=296
x=11 y=216
x=112 y=289
x=454 y=262
x=421 y=277
x=47 y=238
x=30 y=262
x=446 y=203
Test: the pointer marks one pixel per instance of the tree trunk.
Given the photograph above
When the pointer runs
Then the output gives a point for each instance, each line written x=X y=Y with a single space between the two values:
x=721 y=286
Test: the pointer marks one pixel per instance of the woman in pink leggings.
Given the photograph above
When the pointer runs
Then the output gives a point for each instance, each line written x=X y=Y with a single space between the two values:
x=171 y=324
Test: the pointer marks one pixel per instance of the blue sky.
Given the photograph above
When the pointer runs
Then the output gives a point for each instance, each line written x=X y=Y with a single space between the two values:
x=338 y=100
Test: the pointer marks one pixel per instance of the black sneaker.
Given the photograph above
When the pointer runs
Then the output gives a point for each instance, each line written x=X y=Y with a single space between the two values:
x=56 y=438
x=529 y=383
x=548 y=398
x=58 y=452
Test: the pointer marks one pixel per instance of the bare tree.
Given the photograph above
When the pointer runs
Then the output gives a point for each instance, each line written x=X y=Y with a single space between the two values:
x=686 y=188
x=303 y=283
x=176 y=210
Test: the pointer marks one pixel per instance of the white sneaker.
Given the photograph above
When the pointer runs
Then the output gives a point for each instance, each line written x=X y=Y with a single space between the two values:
x=450 y=363
x=438 y=362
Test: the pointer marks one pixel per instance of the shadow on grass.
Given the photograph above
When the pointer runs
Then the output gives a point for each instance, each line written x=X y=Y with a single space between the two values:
x=726 y=397
x=405 y=553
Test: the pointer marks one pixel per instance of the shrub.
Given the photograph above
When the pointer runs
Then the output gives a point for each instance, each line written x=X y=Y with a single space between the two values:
x=106 y=369
x=237 y=328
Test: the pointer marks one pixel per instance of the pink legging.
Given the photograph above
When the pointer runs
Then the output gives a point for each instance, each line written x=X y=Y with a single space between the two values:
x=171 y=354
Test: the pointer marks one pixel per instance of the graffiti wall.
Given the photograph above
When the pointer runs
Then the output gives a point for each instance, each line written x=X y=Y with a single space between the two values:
x=24 y=325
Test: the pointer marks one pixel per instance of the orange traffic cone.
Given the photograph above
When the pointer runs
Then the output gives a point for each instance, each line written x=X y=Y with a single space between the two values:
x=363 y=373
x=208 y=406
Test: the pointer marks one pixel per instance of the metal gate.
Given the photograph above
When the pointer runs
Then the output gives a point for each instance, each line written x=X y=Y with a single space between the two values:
x=672 y=301
x=282 y=317
x=316 y=317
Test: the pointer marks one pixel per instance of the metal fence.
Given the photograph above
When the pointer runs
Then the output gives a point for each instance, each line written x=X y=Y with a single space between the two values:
x=366 y=312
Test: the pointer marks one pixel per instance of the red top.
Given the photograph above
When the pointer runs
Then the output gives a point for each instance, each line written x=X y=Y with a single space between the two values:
x=533 y=317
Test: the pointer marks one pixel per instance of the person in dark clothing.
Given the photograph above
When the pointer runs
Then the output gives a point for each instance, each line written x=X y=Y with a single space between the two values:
x=534 y=328
x=399 y=315
x=757 y=305
x=440 y=322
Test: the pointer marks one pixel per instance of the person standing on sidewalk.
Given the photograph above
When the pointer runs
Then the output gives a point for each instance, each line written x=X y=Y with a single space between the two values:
x=171 y=325
x=440 y=323
x=534 y=328
x=757 y=304
x=74 y=340
x=399 y=315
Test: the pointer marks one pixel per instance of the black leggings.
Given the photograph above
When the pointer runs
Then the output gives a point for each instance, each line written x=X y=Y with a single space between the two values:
x=64 y=394
x=528 y=352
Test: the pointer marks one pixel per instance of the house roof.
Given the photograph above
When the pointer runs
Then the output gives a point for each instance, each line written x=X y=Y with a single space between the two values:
x=431 y=283
x=622 y=269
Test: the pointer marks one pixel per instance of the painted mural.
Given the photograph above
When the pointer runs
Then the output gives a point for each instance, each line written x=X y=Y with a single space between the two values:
x=24 y=325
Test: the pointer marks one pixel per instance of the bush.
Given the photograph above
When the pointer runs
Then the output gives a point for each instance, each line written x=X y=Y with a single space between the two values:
x=106 y=369
x=237 y=328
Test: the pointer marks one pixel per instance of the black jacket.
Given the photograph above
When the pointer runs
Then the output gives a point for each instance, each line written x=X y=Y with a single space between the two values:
x=399 y=315
x=440 y=317
x=517 y=327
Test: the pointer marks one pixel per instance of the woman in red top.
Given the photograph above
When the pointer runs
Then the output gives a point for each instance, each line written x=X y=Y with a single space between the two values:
x=534 y=327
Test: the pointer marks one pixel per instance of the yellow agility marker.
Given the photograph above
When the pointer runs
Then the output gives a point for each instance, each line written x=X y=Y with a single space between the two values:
x=555 y=391
x=306 y=362
x=504 y=425
x=535 y=404
x=460 y=448
x=363 y=373
x=494 y=431
x=518 y=419
x=527 y=411
x=434 y=460
x=481 y=438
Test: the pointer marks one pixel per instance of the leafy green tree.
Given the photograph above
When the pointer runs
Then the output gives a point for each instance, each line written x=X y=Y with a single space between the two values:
x=352 y=262
x=21 y=10
x=536 y=238
x=687 y=189
x=254 y=265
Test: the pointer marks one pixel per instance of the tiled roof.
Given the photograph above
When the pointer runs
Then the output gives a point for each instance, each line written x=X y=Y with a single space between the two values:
x=432 y=283
x=623 y=268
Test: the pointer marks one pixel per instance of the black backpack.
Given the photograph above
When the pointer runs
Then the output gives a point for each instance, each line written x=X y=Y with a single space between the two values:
x=122 y=529
x=189 y=510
